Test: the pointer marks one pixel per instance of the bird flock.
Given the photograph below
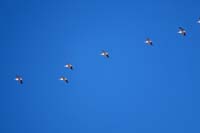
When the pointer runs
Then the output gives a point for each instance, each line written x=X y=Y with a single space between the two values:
x=105 y=54
x=68 y=66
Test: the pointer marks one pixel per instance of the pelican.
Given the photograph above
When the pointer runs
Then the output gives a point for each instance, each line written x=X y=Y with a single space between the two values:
x=198 y=21
x=149 y=41
x=182 y=31
x=105 y=54
x=19 y=79
x=69 y=66
x=64 y=79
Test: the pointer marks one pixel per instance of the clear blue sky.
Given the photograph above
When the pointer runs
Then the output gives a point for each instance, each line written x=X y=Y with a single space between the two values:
x=139 y=89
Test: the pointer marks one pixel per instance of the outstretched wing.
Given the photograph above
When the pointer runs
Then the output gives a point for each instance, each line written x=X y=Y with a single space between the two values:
x=21 y=81
x=66 y=81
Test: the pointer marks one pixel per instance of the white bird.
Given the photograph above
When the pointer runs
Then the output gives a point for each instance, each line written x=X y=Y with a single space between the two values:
x=198 y=21
x=64 y=79
x=105 y=54
x=182 y=31
x=19 y=79
x=148 y=41
x=69 y=66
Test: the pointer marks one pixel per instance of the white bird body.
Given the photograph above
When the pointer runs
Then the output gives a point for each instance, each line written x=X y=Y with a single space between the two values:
x=148 y=41
x=62 y=78
x=198 y=21
x=182 y=31
x=105 y=54
x=69 y=66
x=19 y=79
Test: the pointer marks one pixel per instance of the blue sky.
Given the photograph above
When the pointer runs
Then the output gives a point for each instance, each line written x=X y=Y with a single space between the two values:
x=139 y=89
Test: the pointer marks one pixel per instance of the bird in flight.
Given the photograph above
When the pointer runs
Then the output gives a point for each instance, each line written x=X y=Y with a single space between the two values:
x=182 y=31
x=19 y=79
x=149 y=41
x=69 y=66
x=105 y=54
x=64 y=79
x=198 y=21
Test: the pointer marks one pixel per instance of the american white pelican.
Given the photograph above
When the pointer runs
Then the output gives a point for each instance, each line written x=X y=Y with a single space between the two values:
x=149 y=41
x=64 y=79
x=182 y=31
x=69 y=66
x=105 y=54
x=19 y=79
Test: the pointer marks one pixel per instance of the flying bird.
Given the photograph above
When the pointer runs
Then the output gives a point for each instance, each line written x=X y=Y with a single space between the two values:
x=149 y=41
x=105 y=54
x=198 y=21
x=69 y=66
x=19 y=79
x=64 y=79
x=182 y=31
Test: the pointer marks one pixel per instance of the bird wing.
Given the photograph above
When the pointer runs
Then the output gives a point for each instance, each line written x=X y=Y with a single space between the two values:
x=21 y=81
